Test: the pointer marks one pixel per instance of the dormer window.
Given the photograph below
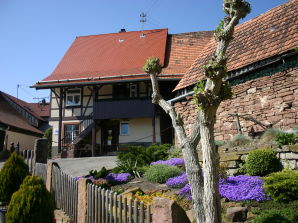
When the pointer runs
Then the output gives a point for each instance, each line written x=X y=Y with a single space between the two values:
x=73 y=97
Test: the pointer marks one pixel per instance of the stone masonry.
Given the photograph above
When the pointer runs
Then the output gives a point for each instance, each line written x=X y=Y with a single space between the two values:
x=267 y=99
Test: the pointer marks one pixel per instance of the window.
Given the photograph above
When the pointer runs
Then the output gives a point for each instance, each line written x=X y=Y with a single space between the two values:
x=70 y=133
x=73 y=97
x=124 y=128
x=133 y=91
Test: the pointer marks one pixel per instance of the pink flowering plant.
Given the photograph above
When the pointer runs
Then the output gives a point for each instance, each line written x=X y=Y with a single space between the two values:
x=238 y=188
x=170 y=162
x=177 y=182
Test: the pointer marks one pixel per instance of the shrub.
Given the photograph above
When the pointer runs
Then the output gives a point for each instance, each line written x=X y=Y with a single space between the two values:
x=277 y=216
x=242 y=188
x=270 y=135
x=239 y=140
x=160 y=173
x=32 y=203
x=286 y=138
x=170 y=162
x=99 y=174
x=174 y=152
x=282 y=186
x=261 y=162
x=128 y=166
x=144 y=156
x=178 y=181
x=11 y=176
x=118 y=178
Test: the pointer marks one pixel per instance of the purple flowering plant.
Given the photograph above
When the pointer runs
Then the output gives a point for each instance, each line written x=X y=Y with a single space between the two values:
x=238 y=188
x=170 y=162
x=118 y=177
x=178 y=181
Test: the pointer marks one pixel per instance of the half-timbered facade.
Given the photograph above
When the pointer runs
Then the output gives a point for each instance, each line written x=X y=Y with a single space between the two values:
x=101 y=97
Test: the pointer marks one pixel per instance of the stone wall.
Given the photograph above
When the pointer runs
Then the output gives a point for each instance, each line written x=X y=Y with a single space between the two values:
x=267 y=99
x=232 y=158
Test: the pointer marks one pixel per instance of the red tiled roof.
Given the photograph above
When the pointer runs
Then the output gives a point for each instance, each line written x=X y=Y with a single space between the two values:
x=110 y=54
x=24 y=105
x=9 y=116
x=101 y=58
x=272 y=33
x=41 y=110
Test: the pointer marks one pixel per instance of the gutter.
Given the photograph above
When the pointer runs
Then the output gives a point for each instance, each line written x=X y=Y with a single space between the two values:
x=178 y=98
x=97 y=82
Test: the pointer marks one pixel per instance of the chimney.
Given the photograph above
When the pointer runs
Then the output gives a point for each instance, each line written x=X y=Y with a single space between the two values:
x=122 y=31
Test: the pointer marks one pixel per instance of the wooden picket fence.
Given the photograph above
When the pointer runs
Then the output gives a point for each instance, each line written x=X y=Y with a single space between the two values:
x=41 y=171
x=28 y=156
x=65 y=192
x=105 y=206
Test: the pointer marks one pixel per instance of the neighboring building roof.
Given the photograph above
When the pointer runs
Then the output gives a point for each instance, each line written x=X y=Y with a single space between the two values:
x=27 y=106
x=271 y=33
x=43 y=110
x=121 y=56
x=9 y=116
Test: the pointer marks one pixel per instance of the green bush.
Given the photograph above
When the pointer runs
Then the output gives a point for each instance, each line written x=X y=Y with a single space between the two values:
x=99 y=174
x=286 y=138
x=270 y=135
x=261 y=162
x=282 y=186
x=239 y=140
x=160 y=173
x=32 y=203
x=11 y=176
x=128 y=166
x=144 y=156
x=277 y=216
x=48 y=134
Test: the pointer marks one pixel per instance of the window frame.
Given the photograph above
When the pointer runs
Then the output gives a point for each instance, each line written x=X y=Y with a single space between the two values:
x=71 y=94
x=120 y=129
x=72 y=133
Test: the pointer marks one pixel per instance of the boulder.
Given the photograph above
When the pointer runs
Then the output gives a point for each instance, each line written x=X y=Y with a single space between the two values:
x=166 y=210
x=236 y=214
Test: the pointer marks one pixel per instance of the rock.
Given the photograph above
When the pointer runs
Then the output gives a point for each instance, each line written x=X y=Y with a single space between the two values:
x=132 y=190
x=166 y=210
x=191 y=215
x=236 y=214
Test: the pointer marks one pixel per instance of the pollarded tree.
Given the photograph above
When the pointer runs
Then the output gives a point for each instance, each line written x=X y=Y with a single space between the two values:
x=208 y=96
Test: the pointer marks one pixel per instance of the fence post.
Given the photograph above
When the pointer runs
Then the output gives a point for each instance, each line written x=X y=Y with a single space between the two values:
x=82 y=201
x=49 y=176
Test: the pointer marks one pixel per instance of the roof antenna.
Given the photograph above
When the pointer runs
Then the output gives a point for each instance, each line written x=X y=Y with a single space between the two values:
x=143 y=20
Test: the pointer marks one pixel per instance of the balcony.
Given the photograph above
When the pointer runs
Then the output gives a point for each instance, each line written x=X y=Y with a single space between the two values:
x=131 y=108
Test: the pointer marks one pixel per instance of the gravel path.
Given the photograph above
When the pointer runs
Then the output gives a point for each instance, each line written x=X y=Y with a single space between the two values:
x=82 y=166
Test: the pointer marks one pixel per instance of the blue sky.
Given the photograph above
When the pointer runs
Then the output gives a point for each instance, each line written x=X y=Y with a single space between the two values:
x=35 y=34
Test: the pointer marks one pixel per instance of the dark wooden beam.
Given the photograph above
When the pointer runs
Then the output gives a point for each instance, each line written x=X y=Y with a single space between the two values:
x=60 y=120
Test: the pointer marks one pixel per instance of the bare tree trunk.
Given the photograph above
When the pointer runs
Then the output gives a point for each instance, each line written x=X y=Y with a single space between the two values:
x=204 y=186
x=210 y=156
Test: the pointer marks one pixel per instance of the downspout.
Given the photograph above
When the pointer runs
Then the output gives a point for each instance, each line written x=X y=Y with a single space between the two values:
x=178 y=98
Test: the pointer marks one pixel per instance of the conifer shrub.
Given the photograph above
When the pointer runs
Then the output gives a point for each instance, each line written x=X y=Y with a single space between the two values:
x=159 y=173
x=32 y=203
x=286 y=138
x=277 y=216
x=282 y=186
x=12 y=175
x=261 y=162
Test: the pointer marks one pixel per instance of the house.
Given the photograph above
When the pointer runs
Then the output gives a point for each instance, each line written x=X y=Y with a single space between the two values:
x=100 y=96
x=263 y=71
x=21 y=122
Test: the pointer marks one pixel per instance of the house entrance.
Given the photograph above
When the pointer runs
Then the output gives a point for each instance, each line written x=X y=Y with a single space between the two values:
x=110 y=136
